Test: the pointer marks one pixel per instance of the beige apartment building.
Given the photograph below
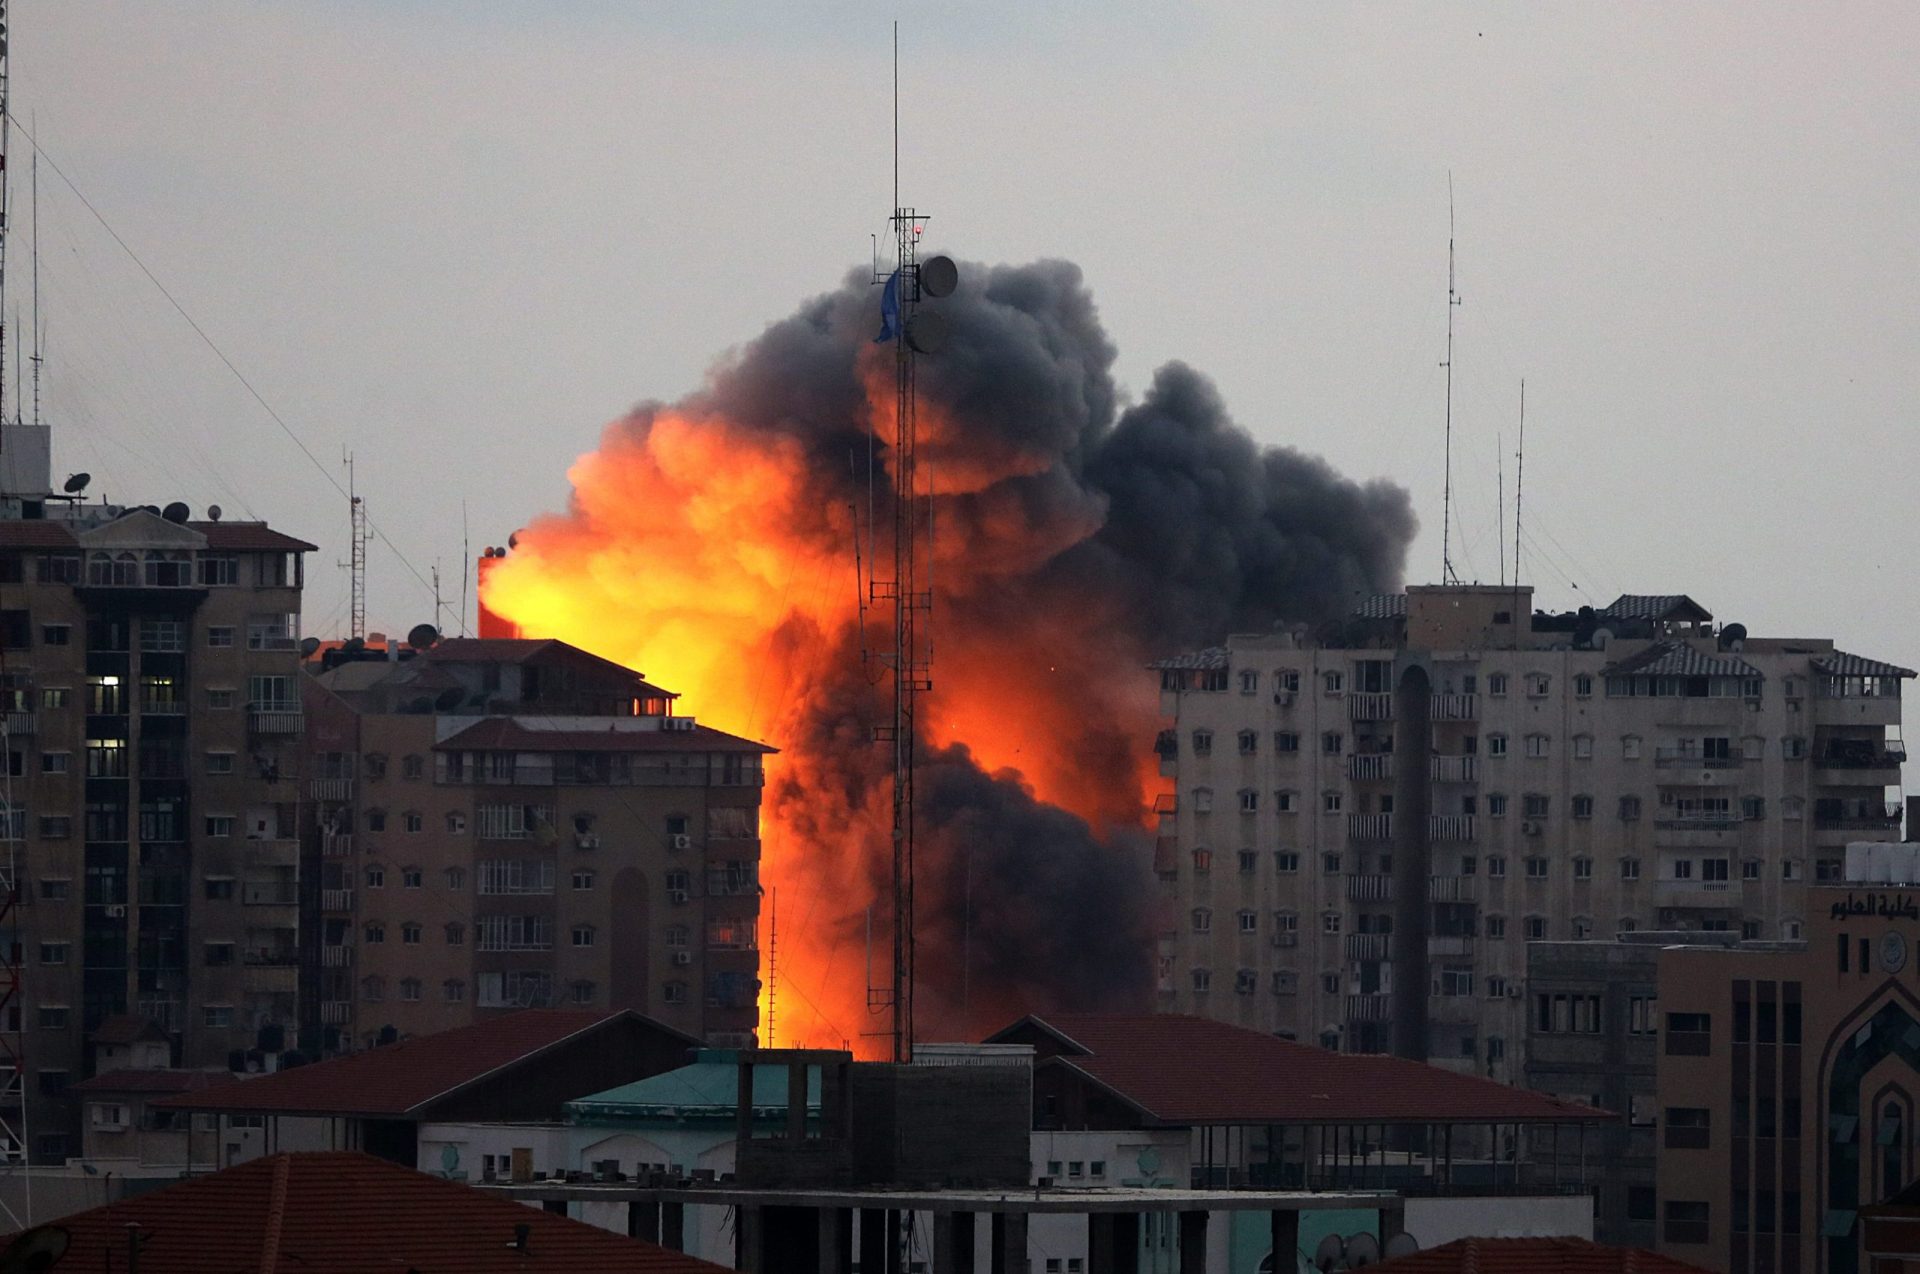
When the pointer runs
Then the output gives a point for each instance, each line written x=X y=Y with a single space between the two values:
x=149 y=672
x=1368 y=824
x=508 y=823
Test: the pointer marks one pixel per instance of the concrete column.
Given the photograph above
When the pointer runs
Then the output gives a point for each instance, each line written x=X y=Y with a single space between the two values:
x=1286 y=1236
x=1193 y=1244
x=1412 y=861
x=1009 y=1243
x=836 y=1240
x=749 y=1238
x=1113 y=1242
x=953 y=1235
x=796 y=1101
x=1100 y=1240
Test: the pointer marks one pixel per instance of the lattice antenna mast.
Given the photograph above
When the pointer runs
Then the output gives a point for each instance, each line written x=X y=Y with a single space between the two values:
x=907 y=504
x=1447 y=575
x=357 y=512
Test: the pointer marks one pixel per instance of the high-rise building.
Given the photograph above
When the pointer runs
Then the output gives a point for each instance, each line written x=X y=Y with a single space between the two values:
x=1368 y=823
x=510 y=823
x=150 y=679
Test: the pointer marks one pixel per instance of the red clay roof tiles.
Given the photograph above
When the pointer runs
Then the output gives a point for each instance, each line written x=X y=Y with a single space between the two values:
x=506 y=734
x=343 y=1213
x=1181 y=1070
x=1534 y=1256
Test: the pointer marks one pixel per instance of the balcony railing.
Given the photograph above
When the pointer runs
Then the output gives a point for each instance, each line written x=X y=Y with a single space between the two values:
x=275 y=718
x=20 y=723
x=1369 y=946
x=1372 y=887
x=336 y=955
x=1370 y=706
x=330 y=789
x=1450 y=827
x=1681 y=758
x=1698 y=822
x=1370 y=765
x=1450 y=889
x=1449 y=945
x=1370 y=827
x=1454 y=769
x=1454 y=707
x=336 y=1012
x=336 y=900
x=336 y=844
x=272 y=957
x=1369 y=1008
x=1858 y=820
x=255 y=894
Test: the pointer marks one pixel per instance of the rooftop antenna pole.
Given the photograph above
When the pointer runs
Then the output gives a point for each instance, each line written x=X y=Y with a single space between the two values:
x=35 y=184
x=1446 y=500
x=1519 y=485
x=357 y=514
x=466 y=567
x=773 y=964
x=1500 y=502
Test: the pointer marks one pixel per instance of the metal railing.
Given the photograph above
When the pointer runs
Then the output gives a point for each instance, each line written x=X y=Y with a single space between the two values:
x=1454 y=707
x=1453 y=769
x=1372 y=887
x=1370 y=706
x=1450 y=827
x=1370 y=765
x=1370 y=827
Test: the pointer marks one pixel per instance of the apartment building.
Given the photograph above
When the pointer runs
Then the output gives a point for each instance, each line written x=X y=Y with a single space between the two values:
x=510 y=823
x=149 y=674
x=1403 y=800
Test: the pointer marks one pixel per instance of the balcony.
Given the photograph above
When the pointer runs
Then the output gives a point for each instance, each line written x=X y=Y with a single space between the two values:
x=336 y=844
x=1454 y=707
x=1454 y=769
x=271 y=957
x=1369 y=946
x=1857 y=710
x=1691 y=759
x=1370 y=827
x=1370 y=765
x=20 y=724
x=1450 y=828
x=336 y=1012
x=1449 y=945
x=1372 y=887
x=1716 y=895
x=1450 y=889
x=1863 y=816
x=336 y=955
x=1371 y=706
x=330 y=789
x=275 y=719
x=336 y=900
x=255 y=893
x=1369 y=1008
x=1716 y=822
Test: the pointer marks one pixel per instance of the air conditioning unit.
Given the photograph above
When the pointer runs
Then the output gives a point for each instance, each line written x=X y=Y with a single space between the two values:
x=677 y=723
x=1529 y=827
x=682 y=841
x=676 y=895
x=116 y=913
x=587 y=842
x=683 y=958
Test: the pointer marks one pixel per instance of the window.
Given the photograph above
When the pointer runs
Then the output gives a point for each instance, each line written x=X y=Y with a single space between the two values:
x=1536 y=867
x=1583 y=747
x=410 y=990
x=583 y=880
x=413 y=766
x=1539 y=745
x=453 y=991
x=53 y=953
x=218 y=888
x=1249 y=801
x=1286 y=679
x=373 y=990
x=412 y=822
x=219 y=698
x=1538 y=684
x=1629 y=808
x=1792 y=807
x=1630 y=747
x=55 y=827
x=51 y=1017
x=1496 y=866
x=1686 y=1222
x=1689 y=1034
x=1497 y=684
x=1496 y=926
x=216 y=955
x=1535 y=805
x=1203 y=743
x=1793 y=748
x=1330 y=801
x=1749 y=930
x=220 y=636
x=1330 y=922
x=1330 y=864
x=55 y=889
x=1286 y=982
x=219 y=570
x=376 y=820
x=410 y=934
x=376 y=933
x=1753 y=807
x=1202 y=979
x=1583 y=868
x=1629 y=869
x=1496 y=987
x=1496 y=805
x=55 y=762
x=674 y=993
x=1283 y=802
x=1202 y=920
x=1202 y=861
x=1456 y=979
x=582 y=992
x=583 y=935
x=1330 y=984
x=1583 y=807
x=1245 y=982
x=1333 y=682
x=1249 y=742
x=56 y=697
x=1286 y=741
x=1203 y=800
x=1496 y=745
x=1536 y=928
x=376 y=876
x=1332 y=743
x=1583 y=686
x=1286 y=862
x=456 y=934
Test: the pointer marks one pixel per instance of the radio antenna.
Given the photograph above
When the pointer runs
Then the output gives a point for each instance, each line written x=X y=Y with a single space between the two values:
x=1446 y=500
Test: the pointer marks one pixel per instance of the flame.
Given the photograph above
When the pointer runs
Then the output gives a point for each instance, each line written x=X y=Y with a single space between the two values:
x=714 y=558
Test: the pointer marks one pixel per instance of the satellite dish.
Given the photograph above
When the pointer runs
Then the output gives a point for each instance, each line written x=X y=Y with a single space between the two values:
x=150 y=508
x=1733 y=637
x=308 y=645
x=421 y=636
x=1600 y=638
x=36 y=1249
x=927 y=332
x=354 y=645
x=939 y=276
x=213 y=513
x=513 y=541
x=1362 y=1249
x=74 y=486
x=177 y=512
x=449 y=699
x=1332 y=1250
x=1401 y=1244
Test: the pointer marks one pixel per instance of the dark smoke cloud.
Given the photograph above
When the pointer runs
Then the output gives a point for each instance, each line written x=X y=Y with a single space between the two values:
x=1091 y=536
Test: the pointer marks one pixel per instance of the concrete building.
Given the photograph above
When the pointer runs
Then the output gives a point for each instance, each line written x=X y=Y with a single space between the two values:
x=504 y=823
x=1786 y=1088
x=149 y=681
x=1401 y=801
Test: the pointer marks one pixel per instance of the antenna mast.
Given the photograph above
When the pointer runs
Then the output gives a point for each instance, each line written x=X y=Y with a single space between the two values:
x=357 y=512
x=1519 y=485
x=1446 y=505
x=35 y=313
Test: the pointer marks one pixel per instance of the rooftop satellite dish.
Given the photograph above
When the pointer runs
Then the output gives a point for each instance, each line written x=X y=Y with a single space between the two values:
x=74 y=486
x=1600 y=638
x=150 y=508
x=177 y=512
x=928 y=332
x=1733 y=637
x=308 y=645
x=36 y=1249
x=354 y=645
x=1332 y=1250
x=449 y=699
x=421 y=636
x=513 y=541
x=1401 y=1244
x=939 y=276
x=1362 y=1249
x=213 y=513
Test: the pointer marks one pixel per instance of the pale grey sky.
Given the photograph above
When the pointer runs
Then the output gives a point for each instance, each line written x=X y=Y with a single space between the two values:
x=459 y=237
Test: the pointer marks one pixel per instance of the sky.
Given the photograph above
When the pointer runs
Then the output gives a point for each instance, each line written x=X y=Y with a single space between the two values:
x=456 y=239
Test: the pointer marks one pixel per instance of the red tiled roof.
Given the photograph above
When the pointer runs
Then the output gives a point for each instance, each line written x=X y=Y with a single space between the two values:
x=154 y=1081
x=396 y=1079
x=1534 y=1256
x=344 y=1213
x=37 y=534
x=257 y=536
x=1180 y=1070
x=506 y=734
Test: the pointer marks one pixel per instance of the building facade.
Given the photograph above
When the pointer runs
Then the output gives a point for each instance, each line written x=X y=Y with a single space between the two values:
x=1402 y=801
x=150 y=681
x=506 y=823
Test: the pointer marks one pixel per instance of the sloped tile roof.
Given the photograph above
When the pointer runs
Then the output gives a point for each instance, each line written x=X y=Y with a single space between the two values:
x=1677 y=659
x=1382 y=606
x=1656 y=606
x=1534 y=1256
x=1841 y=664
x=154 y=1081
x=221 y=536
x=1211 y=657
x=344 y=1213
x=397 y=1079
x=1182 y=1070
x=505 y=734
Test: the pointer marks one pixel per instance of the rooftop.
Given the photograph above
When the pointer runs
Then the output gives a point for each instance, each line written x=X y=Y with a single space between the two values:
x=396 y=1080
x=235 y=536
x=708 y=1089
x=1179 y=1070
x=125 y=1028
x=341 y=1213
x=131 y=1080
x=1841 y=664
x=1534 y=1256
x=1677 y=659
x=1656 y=606
x=506 y=734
